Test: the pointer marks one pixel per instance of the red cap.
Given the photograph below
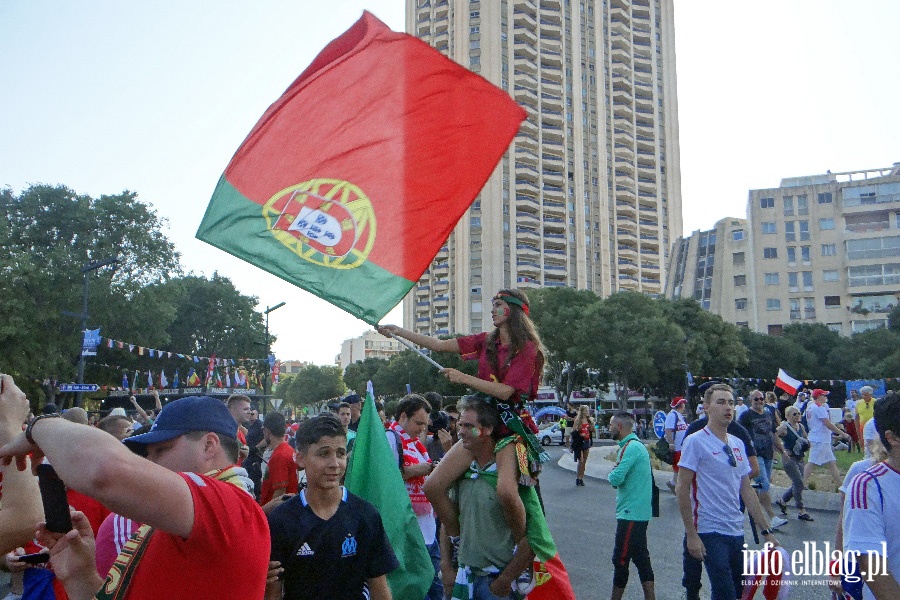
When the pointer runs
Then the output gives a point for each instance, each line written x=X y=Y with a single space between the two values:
x=295 y=426
x=676 y=401
x=817 y=392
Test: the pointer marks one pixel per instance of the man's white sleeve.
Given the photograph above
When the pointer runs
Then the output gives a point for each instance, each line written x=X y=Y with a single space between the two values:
x=864 y=527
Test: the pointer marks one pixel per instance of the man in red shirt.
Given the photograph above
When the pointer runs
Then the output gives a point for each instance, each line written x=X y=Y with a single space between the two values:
x=199 y=519
x=281 y=475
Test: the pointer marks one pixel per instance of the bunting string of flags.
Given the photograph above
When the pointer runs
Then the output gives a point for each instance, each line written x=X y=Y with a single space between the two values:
x=165 y=354
x=244 y=373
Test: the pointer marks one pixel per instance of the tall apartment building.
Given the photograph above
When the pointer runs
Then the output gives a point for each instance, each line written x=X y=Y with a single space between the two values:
x=817 y=249
x=711 y=267
x=589 y=194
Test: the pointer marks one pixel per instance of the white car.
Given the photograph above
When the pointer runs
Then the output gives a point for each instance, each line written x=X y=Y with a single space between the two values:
x=551 y=435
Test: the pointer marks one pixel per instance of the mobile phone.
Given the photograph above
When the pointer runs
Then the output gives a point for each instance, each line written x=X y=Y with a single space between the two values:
x=53 y=496
x=34 y=559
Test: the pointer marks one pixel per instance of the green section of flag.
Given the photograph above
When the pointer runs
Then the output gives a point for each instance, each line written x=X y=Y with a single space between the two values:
x=374 y=475
x=235 y=224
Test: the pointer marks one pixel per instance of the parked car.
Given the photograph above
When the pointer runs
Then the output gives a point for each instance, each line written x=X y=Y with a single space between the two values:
x=551 y=435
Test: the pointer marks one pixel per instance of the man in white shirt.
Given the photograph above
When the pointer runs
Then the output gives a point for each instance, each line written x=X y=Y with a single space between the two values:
x=713 y=478
x=676 y=427
x=820 y=430
x=871 y=508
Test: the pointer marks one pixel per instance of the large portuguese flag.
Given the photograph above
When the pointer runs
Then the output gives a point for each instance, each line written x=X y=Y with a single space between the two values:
x=353 y=179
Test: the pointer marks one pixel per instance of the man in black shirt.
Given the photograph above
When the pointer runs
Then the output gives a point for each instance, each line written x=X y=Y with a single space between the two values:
x=330 y=543
x=761 y=423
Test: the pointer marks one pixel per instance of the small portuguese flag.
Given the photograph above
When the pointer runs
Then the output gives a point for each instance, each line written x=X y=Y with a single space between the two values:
x=353 y=179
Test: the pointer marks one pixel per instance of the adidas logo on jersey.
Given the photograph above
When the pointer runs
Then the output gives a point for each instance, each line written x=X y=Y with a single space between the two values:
x=305 y=550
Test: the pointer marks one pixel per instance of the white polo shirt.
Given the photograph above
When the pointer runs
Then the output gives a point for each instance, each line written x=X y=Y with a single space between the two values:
x=818 y=432
x=716 y=489
x=870 y=516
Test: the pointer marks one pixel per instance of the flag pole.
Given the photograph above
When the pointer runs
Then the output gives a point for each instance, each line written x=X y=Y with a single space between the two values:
x=409 y=345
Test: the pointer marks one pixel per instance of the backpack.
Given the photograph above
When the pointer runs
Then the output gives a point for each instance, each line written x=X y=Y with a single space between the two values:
x=663 y=451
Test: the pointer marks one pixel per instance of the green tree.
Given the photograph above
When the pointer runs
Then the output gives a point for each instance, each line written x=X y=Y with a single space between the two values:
x=558 y=313
x=315 y=383
x=628 y=335
x=768 y=353
x=820 y=342
x=710 y=344
x=47 y=235
x=873 y=354
x=357 y=374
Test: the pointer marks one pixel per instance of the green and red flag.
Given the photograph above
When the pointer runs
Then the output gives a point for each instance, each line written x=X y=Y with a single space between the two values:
x=352 y=180
x=374 y=475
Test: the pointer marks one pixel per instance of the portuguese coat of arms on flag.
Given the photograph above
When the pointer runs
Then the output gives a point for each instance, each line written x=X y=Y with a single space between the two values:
x=352 y=180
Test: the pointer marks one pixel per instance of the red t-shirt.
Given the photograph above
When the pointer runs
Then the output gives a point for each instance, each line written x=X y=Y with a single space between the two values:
x=282 y=473
x=226 y=554
x=520 y=374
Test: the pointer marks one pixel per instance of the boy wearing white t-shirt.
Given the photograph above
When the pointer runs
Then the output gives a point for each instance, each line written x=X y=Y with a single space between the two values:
x=820 y=430
x=871 y=507
x=713 y=479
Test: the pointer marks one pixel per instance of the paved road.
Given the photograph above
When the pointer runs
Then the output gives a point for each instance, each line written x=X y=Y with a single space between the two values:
x=582 y=520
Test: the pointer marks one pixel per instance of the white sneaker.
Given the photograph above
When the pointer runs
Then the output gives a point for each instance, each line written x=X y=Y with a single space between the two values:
x=777 y=522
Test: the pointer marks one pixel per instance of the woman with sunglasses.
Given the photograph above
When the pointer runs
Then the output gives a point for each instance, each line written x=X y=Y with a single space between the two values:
x=793 y=436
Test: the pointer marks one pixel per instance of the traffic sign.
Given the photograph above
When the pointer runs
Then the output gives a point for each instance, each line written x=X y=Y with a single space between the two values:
x=276 y=402
x=79 y=387
x=659 y=423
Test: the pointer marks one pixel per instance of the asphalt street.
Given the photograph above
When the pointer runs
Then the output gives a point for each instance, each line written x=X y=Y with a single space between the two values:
x=582 y=520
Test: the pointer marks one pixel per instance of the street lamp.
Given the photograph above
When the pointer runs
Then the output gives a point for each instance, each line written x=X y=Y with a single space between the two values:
x=268 y=353
x=84 y=312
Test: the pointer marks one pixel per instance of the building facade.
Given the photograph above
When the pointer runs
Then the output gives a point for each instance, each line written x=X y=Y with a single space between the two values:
x=589 y=194
x=708 y=267
x=370 y=344
x=292 y=367
x=817 y=249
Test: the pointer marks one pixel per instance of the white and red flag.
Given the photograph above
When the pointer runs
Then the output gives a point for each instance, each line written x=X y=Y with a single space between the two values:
x=788 y=383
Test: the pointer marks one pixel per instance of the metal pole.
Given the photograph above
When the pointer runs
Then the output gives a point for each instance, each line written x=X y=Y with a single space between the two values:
x=84 y=318
x=268 y=353
x=409 y=345
x=268 y=369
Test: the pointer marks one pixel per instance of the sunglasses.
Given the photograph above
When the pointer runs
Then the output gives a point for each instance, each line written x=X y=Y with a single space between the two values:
x=731 y=459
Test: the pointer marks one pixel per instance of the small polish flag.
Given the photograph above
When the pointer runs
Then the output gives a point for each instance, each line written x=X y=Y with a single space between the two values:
x=788 y=383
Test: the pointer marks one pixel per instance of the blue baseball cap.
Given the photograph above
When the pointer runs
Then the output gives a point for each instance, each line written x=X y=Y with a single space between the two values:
x=193 y=413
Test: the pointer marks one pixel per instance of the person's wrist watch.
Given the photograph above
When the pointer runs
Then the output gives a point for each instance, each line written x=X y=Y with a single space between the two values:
x=35 y=420
x=766 y=532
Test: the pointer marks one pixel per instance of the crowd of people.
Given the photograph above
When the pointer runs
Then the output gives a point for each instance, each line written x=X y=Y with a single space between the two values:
x=201 y=498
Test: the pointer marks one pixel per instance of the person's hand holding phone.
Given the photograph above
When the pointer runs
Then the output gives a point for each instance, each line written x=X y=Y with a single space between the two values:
x=72 y=555
x=12 y=563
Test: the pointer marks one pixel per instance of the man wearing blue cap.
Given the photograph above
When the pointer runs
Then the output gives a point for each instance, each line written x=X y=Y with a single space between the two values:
x=201 y=526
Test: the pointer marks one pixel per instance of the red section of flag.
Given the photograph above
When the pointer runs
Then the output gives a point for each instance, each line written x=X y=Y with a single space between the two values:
x=552 y=581
x=410 y=130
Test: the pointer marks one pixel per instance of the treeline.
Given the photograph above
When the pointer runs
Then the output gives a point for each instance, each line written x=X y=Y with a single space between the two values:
x=49 y=233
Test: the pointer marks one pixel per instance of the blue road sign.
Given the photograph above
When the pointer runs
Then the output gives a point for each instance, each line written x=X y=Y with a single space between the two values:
x=659 y=423
x=79 y=387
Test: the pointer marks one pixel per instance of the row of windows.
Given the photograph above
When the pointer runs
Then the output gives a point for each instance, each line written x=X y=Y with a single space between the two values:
x=808 y=303
x=771 y=253
x=802 y=204
x=791 y=227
